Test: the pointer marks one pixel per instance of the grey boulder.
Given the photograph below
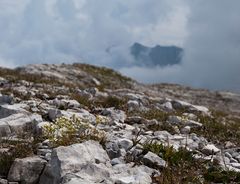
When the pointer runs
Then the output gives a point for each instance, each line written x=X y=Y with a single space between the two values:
x=26 y=170
x=72 y=159
x=153 y=160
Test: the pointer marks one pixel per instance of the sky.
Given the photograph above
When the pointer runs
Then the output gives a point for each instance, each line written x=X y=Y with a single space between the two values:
x=101 y=32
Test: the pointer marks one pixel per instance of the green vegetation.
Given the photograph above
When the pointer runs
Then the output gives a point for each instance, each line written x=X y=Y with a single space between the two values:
x=218 y=175
x=17 y=75
x=219 y=128
x=105 y=102
x=86 y=102
x=67 y=131
x=10 y=91
x=160 y=116
x=183 y=168
x=17 y=149
x=155 y=114
x=108 y=77
x=112 y=101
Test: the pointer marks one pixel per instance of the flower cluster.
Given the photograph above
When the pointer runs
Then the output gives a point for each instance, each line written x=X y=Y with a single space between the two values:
x=66 y=131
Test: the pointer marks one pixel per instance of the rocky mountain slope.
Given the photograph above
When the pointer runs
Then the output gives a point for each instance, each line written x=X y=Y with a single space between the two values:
x=74 y=124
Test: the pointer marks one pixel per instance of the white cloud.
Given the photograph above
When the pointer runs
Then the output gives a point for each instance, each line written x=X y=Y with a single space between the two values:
x=33 y=31
x=212 y=49
x=71 y=30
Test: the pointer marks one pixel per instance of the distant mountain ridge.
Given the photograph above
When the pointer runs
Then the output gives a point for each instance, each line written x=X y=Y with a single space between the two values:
x=156 y=56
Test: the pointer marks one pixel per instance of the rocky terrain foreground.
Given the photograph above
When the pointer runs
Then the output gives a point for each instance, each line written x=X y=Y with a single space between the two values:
x=81 y=124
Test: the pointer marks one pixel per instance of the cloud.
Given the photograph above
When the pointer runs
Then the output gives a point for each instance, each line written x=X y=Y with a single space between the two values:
x=212 y=49
x=213 y=45
x=154 y=75
x=52 y=31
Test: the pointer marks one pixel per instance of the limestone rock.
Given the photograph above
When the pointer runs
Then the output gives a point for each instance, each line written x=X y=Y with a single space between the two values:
x=3 y=181
x=72 y=159
x=125 y=143
x=210 y=149
x=174 y=120
x=18 y=123
x=116 y=115
x=26 y=170
x=5 y=99
x=152 y=160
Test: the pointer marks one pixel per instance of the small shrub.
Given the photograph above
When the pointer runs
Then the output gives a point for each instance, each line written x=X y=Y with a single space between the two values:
x=108 y=78
x=17 y=150
x=82 y=100
x=219 y=128
x=151 y=114
x=181 y=166
x=112 y=101
x=169 y=154
x=157 y=114
x=217 y=175
x=67 y=131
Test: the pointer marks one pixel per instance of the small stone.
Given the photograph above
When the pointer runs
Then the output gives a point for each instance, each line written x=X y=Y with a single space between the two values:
x=235 y=154
x=148 y=133
x=165 y=133
x=135 y=120
x=71 y=103
x=232 y=160
x=167 y=106
x=26 y=170
x=125 y=144
x=113 y=150
x=228 y=155
x=176 y=129
x=53 y=114
x=5 y=99
x=116 y=161
x=3 y=81
x=201 y=109
x=153 y=122
x=123 y=152
x=190 y=116
x=40 y=127
x=136 y=130
x=226 y=160
x=178 y=104
x=175 y=120
x=3 y=181
x=47 y=156
x=115 y=114
x=194 y=137
x=133 y=104
x=43 y=152
x=96 y=81
x=229 y=145
x=236 y=165
x=210 y=149
x=192 y=123
x=151 y=160
x=185 y=130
